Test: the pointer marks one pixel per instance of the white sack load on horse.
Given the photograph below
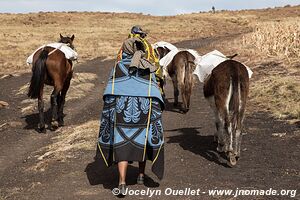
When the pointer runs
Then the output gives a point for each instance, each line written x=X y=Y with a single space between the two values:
x=173 y=50
x=164 y=44
x=69 y=52
x=206 y=63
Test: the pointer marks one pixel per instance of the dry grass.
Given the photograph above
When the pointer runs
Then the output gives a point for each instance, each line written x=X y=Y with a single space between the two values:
x=99 y=34
x=1 y=195
x=276 y=85
x=272 y=51
x=280 y=95
x=69 y=140
x=276 y=38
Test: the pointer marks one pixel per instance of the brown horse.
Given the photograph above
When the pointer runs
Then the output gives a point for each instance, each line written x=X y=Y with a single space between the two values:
x=180 y=70
x=51 y=67
x=227 y=89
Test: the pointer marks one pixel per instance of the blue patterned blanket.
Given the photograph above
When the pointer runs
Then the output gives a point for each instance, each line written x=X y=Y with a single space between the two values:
x=120 y=83
x=131 y=126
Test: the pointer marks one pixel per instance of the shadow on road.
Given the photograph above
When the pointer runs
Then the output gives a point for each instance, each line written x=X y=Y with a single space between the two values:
x=190 y=139
x=32 y=120
x=169 y=106
x=98 y=174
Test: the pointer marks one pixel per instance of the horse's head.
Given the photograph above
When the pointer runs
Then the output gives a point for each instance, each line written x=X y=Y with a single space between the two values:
x=67 y=40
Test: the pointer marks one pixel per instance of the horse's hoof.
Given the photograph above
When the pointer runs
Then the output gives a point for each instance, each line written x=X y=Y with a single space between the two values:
x=184 y=111
x=54 y=125
x=42 y=130
x=232 y=161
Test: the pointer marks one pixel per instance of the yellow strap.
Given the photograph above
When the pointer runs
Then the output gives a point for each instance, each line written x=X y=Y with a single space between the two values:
x=115 y=122
x=113 y=81
x=119 y=56
x=114 y=143
x=148 y=124
x=102 y=154
x=147 y=130
x=144 y=41
x=149 y=117
x=147 y=48
x=149 y=88
x=157 y=153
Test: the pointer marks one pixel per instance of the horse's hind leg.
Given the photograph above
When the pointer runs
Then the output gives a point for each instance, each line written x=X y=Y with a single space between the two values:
x=61 y=101
x=58 y=99
x=211 y=101
x=54 y=106
x=41 y=124
x=185 y=100
x=176 y=91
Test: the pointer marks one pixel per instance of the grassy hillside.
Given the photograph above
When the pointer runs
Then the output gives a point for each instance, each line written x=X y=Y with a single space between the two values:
x=269 y=43
x=97 y=34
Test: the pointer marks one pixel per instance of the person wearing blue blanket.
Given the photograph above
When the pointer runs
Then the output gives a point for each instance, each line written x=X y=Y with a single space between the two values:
x=131 y=123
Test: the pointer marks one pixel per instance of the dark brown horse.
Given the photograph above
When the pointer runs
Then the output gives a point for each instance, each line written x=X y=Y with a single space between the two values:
x=51 y=67
x=227 y=90
x=181 y=72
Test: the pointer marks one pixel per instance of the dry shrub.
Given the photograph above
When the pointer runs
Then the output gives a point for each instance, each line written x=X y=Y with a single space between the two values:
x=275 y=87
x=276 y=38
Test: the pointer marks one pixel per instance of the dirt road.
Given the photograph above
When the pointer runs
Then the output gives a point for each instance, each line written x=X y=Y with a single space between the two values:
x=270 y=155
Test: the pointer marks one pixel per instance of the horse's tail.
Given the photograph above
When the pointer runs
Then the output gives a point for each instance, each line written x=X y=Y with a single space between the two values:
x=188 y=78
x=235 y=102
x=38 y=75
x=232 y=102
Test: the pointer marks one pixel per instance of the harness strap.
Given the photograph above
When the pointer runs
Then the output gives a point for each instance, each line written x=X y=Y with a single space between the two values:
x=51 y=52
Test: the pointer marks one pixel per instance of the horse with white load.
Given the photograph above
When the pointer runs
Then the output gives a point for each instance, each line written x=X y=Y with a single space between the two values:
x=226 y=87
x=179 y=64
